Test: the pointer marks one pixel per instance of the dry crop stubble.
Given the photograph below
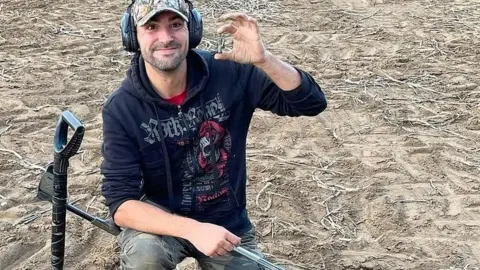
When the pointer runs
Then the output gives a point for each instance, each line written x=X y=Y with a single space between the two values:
x=386 y=178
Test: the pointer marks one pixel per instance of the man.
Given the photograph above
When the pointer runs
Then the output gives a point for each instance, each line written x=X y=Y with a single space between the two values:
x=175 y=139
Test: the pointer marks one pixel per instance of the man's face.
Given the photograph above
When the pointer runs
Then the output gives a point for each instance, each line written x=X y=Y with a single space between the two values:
x=164 y=41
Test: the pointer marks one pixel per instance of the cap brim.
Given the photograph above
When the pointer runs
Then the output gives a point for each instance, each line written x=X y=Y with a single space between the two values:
x=154 y=12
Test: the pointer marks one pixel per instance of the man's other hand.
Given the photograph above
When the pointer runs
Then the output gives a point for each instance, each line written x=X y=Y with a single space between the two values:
x=212 y=240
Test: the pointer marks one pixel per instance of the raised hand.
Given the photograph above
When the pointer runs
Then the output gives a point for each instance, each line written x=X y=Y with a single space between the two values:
x=247 y=44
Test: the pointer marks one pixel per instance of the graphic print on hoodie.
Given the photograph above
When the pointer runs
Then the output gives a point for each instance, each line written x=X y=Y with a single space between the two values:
x=204 y=178
x=202 y=141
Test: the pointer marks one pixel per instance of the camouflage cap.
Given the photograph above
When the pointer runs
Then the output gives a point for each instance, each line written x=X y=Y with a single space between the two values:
x=144 y=10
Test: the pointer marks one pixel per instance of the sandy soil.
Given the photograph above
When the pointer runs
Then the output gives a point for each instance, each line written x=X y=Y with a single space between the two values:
x=386 y=178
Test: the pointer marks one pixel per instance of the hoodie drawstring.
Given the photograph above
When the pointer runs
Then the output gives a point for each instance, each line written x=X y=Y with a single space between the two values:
x=167 y=162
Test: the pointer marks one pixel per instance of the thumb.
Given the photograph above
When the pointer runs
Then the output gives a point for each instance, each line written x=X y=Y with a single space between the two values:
x=223 y=56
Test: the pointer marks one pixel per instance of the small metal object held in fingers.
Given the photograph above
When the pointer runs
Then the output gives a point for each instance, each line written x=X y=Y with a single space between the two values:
x=220 y=44
x=254 y=257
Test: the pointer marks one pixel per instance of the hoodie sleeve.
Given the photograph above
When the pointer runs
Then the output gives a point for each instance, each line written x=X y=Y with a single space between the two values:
x=306 y=100
x=120 y=166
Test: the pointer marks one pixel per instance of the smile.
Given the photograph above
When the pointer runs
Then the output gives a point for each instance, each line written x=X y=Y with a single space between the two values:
x=166 y=51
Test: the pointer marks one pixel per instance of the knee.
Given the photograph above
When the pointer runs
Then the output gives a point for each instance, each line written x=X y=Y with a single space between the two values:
x=145 y=252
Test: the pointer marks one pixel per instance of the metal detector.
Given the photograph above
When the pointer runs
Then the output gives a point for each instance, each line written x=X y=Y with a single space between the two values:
x=53 y=188
x=63 y=151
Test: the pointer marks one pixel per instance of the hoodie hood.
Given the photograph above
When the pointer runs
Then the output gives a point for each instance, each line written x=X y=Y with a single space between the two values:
x=138 y=83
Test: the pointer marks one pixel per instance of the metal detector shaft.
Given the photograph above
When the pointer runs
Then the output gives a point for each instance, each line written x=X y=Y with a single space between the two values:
x=254 y=257
x=100 y=223
x=63 y=150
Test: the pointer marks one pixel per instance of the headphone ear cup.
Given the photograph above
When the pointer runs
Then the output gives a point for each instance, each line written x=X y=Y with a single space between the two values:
x=195 y=28
x=133 y=30
x=129 y=33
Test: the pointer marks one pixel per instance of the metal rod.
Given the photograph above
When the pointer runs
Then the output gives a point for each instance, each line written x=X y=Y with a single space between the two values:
x=254 y=257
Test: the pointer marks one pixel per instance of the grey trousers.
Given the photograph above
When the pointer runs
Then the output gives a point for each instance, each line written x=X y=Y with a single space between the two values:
x=142 y=251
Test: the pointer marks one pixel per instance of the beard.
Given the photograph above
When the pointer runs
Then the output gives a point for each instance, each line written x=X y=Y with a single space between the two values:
x=169 y=63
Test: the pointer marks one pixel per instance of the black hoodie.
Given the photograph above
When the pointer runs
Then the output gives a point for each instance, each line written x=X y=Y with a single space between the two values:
x=191 y=158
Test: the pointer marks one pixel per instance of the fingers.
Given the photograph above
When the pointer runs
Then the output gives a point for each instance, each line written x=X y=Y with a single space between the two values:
x=239 y=19
x=238 y=22
x=227 y=245
x=227 y=28
x=235 y=240
x=222 y=249
x=221 y=252
x=236 y=17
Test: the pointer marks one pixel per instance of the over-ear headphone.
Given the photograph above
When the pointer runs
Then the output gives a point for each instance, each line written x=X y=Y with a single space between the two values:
x=129 y=32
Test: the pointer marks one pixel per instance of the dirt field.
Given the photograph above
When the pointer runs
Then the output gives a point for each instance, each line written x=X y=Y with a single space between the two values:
x=386 y=178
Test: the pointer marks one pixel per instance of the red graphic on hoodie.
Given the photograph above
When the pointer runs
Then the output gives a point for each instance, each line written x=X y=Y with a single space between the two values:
x=212 y=147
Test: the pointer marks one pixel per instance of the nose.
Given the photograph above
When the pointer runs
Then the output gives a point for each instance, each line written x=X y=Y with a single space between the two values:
x=164 y=34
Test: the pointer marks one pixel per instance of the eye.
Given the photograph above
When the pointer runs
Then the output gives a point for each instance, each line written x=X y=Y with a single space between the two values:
x=177 y=25
x=151 y=27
